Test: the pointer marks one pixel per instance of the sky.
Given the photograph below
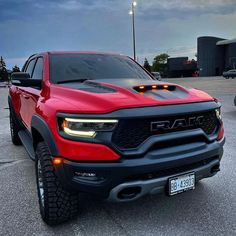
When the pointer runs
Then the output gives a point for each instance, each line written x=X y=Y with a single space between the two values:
x=162 y=26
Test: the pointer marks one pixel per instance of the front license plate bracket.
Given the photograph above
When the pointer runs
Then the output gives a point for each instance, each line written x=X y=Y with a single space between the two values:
x=181 y=183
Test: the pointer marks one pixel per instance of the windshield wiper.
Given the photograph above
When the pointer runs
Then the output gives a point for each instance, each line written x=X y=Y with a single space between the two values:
x=72 y=80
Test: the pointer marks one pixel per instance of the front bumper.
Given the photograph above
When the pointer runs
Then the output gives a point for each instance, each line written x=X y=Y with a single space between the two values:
x=136 y=189
x=149 y=173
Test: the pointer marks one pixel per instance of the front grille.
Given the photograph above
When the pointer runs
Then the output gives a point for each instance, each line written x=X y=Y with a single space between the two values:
x=171 y=171
x=130 y=133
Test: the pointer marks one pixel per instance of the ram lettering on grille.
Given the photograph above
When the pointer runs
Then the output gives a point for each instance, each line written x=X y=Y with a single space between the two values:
x=166 y=124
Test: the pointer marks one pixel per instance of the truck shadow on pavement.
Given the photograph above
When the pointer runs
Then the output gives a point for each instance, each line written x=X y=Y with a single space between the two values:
x=97 y=217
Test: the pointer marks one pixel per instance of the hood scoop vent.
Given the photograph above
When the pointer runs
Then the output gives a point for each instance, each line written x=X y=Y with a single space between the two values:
x=144 y=88
x=95 y=87
x=161 y=91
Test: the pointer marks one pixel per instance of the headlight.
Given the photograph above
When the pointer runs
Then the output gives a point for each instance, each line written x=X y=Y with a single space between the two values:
x=218 y=113
x=86 y=128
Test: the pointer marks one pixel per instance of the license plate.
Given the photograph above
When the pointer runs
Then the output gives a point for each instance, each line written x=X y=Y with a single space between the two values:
x=181 y=183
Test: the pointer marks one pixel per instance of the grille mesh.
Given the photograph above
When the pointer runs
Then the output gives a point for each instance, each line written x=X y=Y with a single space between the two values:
x=130 y=133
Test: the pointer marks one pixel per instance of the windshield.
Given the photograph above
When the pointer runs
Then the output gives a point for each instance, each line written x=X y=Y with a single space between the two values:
x=69 y=67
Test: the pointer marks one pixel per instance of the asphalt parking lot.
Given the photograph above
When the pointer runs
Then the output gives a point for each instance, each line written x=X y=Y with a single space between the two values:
x=208 y=210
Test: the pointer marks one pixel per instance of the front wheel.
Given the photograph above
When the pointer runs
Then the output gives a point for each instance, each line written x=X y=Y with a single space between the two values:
x=56 y=204
x=14 y=128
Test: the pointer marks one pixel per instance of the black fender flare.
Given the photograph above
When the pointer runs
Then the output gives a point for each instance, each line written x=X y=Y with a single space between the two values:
x=40 y=125
x=15 y=116
x=10 y=102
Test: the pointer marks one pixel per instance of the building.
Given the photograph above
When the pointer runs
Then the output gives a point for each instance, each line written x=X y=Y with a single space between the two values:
x=181 y=67
x=215 y=55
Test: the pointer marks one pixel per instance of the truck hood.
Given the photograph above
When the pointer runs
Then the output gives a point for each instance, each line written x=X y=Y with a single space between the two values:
x=107 y=95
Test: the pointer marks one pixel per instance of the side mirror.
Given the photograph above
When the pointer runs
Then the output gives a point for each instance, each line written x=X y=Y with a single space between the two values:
x=23 y=79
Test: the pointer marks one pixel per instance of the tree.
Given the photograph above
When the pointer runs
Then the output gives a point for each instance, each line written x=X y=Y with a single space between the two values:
x=2 y=63
x=15 y=69
x=160 y=63
x=3 y=70
x=146 y=65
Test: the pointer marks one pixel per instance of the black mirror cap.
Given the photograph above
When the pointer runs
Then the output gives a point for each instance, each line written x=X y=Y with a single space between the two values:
x=23 y=79
x=20 y=75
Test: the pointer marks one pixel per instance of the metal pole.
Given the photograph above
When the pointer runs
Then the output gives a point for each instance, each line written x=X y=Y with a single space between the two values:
x=134 y=41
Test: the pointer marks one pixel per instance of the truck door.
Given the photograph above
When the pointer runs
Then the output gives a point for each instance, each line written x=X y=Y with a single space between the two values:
x=23 y=109
x=31 y=94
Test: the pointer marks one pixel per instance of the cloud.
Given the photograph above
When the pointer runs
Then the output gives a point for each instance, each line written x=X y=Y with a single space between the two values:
x=74 y=5
x=185 y=8
x=71 y=5
x=30 y=26
x=190 y=5
x=10 y=62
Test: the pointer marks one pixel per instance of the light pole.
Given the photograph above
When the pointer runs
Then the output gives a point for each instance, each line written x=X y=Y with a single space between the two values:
x=132 y=12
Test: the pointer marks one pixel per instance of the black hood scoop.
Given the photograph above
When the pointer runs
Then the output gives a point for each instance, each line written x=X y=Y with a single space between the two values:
x=90 y=86
x=157 y=90
x=154 y=89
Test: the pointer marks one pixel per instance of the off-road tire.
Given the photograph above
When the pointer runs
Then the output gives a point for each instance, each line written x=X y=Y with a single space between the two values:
x=14 y=128
x=57 y=205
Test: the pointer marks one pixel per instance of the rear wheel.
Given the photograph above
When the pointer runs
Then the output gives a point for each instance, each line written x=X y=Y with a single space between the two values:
x=56 y=204
x=14 y=128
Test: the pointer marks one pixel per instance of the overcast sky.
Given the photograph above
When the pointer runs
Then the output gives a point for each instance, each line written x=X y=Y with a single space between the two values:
x=172 y=26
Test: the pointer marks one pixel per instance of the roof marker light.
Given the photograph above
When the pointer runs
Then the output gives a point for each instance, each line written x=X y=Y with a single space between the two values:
x=141 y=87
x=154 y=86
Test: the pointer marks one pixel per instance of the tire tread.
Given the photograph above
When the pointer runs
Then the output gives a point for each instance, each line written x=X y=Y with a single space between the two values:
x=15 y=129
x=60 y=205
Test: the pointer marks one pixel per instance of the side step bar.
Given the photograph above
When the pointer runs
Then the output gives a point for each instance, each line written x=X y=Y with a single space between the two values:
x=27 y=142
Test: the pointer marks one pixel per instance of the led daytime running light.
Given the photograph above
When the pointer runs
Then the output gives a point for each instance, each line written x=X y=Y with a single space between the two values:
x=68 y=129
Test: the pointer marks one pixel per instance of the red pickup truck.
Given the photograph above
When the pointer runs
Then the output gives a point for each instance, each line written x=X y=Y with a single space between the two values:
x=100 y=124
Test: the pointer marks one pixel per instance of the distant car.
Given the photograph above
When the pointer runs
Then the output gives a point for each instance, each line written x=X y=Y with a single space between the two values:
x=157 y=75
x=230 y=74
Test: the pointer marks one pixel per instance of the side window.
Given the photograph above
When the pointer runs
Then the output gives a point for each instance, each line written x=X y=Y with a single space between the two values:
x=30 y=67
x=38 y=69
